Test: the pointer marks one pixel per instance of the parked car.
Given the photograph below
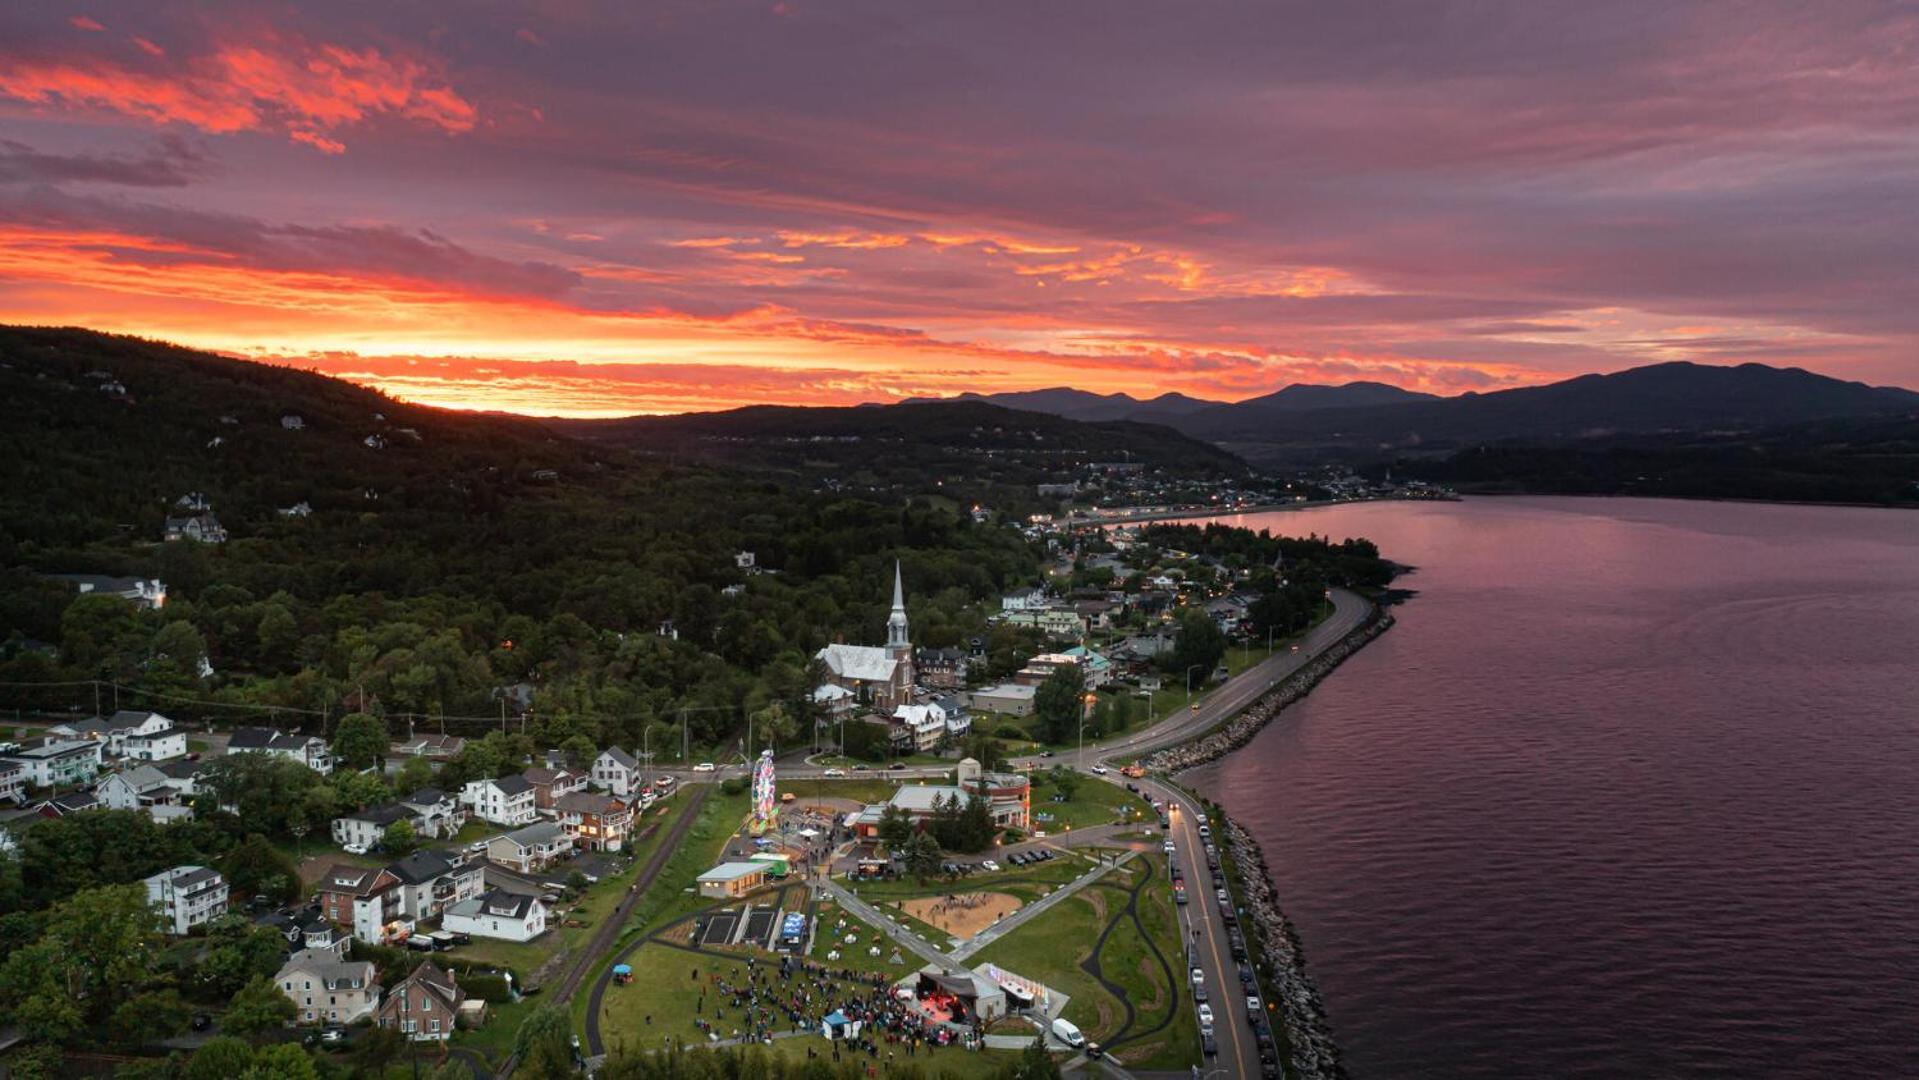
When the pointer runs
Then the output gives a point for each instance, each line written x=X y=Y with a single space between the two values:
x=1209 y=1045
x=1206 y=1019
x=353 y=849
x=667 y=781
x=989 y=866
x=1169 y=847
x=1253 y=1008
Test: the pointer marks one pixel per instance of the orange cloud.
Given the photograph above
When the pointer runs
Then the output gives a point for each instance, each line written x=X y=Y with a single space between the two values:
x=307 y=91
x=82 y=22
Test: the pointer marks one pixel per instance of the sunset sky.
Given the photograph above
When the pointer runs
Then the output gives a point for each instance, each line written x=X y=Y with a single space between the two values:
x=578 y=208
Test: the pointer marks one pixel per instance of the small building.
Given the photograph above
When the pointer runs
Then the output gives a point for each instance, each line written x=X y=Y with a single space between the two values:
x=733 y=879
x=328 y=990
x=13 y=782
x=1009 y=699
x=436 y=814
x=146 y=593
x=201 y=528
x=425 y=1005
x=549 y=784
x=942 y=669
x=308 y=750
x=365 y=828
x=532 y=849
x=435 y=747
x=498 y=914
x=187 y=896
x=618 y=772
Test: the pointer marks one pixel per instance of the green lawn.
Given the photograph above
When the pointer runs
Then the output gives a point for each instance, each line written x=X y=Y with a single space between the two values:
x=856 y=957
x=1093 y=803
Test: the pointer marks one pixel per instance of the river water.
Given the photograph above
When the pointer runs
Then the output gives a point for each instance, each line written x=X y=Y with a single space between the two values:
x=1632 y=789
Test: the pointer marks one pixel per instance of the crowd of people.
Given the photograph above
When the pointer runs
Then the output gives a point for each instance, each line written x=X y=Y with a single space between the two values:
x=754 y=1002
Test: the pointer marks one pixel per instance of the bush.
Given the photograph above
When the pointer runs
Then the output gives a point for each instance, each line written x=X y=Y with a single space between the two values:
x=488 y=988
x=733 y=785
x=1011 y=731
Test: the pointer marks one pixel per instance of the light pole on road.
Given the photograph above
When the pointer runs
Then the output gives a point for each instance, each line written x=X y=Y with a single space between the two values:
x=1190 y=668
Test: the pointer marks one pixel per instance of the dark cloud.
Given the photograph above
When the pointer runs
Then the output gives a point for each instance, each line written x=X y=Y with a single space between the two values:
x=171 y=162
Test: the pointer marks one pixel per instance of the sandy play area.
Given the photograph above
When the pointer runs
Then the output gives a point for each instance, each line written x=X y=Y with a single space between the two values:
x=962 y=914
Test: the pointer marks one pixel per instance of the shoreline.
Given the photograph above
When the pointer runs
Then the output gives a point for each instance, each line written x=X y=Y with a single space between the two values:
x=1209 y=515
x=1312 y=1052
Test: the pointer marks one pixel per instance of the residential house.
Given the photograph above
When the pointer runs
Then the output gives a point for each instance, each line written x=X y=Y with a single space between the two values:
x=1053 y=622
x=73 y=802
x=58 y=762
x=431 y=880
x=424 y=1005
x=954 y=711
x=363 y=829
x=437 y=815
x=595 y=822
x=1031 y=598
x=145 y=593
x=362 y=898
x=320 y=936
x=142 y=736
x=498 y=914
x=505 y=800
x=834 y=700
x=328 y=990
x=549 y=784
x=184 y=776
x=531 y=849
x=1011 y=699
x=436 y=747
x=1041 y=667
x=1095 y=614
x=136 y=788
x=1097 y=669
x=618 y=772
x=187 y=896
x=305 y=749
x=202 y=528
x=942 y=669
x=918 y=728
x=13 y=782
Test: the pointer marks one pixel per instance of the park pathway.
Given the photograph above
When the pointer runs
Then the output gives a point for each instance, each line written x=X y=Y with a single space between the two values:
x=1019 y=918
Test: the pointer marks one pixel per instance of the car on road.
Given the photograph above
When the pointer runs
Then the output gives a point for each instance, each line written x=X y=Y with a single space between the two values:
x=1206 y=1019
x=1067 y=1032
x=1179 y=892
x=1092 y=1050
x=1099 y=770
x=1045 y=753
x=989 y=866
x=1209 y=1045
x=1198 y=976
x=1199 y=993
x=1195 y=706
x=1225 y=898
x=1254 y=1009
x=1169 y=847
x=897 y=765
x=834 y=772
x=663 y=781
x=861 y=768
x=1205 y=830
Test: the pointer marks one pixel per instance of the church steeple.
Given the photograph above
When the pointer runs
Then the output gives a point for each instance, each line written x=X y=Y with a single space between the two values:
x=897 y=641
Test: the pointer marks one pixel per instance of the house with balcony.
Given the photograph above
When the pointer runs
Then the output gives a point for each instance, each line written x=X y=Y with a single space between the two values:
x=437 y=814
x=364 y=899
x=187 y=896
x=596 y=822
x=327 y=990
x=138 y=788
x=432 y=880
x=305 y=749
x=532 y=849
x=917 y=728
x=617 y=772
x=505 y=800
x=13 y=782
x=550 y=783
x=56 y=762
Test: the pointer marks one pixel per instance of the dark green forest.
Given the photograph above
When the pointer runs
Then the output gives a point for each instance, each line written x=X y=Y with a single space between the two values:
x=457 y=555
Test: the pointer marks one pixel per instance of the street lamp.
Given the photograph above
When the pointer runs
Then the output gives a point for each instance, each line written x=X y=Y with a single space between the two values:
x=1190 y=668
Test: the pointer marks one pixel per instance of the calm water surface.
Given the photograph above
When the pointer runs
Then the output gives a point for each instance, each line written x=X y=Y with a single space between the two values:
x=1631 y=790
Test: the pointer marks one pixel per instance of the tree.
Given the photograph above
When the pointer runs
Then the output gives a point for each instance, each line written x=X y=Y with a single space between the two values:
x=258 y=1008
x=984 y=749
x=256 y=868
x=1198 y=647
x=96 y=950
x=222 y=1057
x=976 y=824
x=150 y=1017
x=238 y=952
x=356 y=790
x=895 y=828
x=1058 y=704
x=360 y=741
x=1035 y=1064
x=544 y=1044
x=922 y=856
x=1065 y=781
x=580 y=751
x=282 y=1061
x=379 y=1046
x=401 y=840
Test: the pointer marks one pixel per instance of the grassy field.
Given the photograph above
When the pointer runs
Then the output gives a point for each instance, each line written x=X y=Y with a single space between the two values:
x=856 y=957
x=1093 y=803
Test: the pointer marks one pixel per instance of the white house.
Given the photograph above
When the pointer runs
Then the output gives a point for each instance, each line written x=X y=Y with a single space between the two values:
x=187 y=896
x=365 y=828
x=1028 y=599
x=952 y=709
x=430 y=881
x=505 y=800
x=144 y=736
x=437 y=814
x=617 y=772
x=497 y=914
x=58 y=762
x=531 y=849
x=137 y=788
x=13 y=781
x=329 y=990
x=920 y=727
x=305 y=749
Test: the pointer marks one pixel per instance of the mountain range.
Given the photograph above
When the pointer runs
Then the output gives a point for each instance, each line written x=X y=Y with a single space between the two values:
x=1367 y=421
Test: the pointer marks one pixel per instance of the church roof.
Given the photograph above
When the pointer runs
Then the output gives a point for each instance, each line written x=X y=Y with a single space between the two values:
x=868 y=663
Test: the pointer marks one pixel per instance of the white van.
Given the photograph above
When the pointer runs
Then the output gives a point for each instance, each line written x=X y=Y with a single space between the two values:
x=1065 y=1031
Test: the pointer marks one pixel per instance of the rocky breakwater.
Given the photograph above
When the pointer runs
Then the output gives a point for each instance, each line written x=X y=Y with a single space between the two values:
x=1302 y=1014
x=1240 y=730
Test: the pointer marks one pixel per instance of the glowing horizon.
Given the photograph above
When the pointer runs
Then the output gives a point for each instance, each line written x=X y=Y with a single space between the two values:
x=610 y=209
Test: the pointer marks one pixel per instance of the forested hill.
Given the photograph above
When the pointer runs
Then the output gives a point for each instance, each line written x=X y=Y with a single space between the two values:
x=946 y=443
x=456 y=555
